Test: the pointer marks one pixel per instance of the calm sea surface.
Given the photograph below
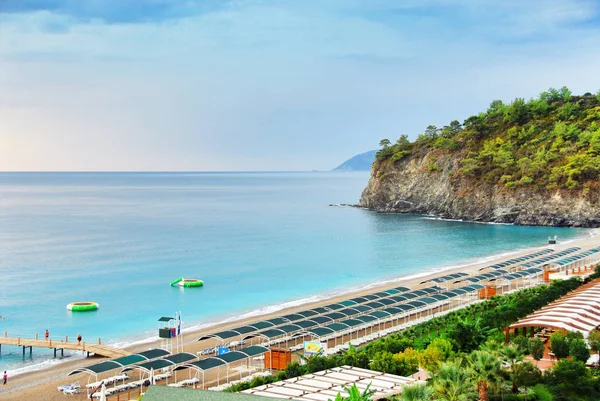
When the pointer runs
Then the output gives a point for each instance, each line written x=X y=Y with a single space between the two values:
x=258 y=240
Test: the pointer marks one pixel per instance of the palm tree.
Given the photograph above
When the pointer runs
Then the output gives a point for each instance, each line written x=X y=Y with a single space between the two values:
x=417 y=392
x=354 y=394
x=485 y=370
x=452 y=383
x=512 y=355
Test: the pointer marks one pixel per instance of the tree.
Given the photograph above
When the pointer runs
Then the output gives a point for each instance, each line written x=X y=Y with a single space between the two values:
x=430 y=359
x=294 y=369
x=467 y=334
x=354 y=393
x=579 y=350
x=417 y=392
x=559 y=345
x=443 y=345
x=452 y=383
x=384 y=143
x=525 y=375
x=317 y=363
x=565 y=94
x=570 y=380
x=407 y=362
x=431 y=132
x=355 y=358
x=383 y=361
x=513 y=355
x=403 y=141
x=594 y=340
x=522 y=342
x=485 y=370
x=536 y=348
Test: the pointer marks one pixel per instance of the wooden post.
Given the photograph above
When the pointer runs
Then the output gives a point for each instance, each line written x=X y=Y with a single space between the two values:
x=36 y=336
x=99 y=341
x=66 y=339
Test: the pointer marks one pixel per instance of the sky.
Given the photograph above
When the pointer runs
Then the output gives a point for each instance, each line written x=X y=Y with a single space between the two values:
x=257 y=85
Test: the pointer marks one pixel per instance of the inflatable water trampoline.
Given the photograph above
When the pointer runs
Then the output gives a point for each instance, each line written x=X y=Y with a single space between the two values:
x=187 y=282
x=82 y=306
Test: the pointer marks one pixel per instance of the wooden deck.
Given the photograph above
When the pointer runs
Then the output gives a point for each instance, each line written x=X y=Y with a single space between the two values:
x=98 y=349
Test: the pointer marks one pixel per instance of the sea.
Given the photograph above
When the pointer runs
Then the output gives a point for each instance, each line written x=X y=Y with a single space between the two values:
x=260 y=241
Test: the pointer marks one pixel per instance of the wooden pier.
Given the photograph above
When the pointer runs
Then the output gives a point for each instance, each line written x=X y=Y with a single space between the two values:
x=61 y=345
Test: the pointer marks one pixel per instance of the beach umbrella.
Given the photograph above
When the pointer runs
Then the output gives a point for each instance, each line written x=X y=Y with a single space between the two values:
x=103 y=392
x=152 y=376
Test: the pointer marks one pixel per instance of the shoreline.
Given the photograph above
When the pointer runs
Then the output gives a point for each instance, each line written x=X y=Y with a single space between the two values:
x=46 y=380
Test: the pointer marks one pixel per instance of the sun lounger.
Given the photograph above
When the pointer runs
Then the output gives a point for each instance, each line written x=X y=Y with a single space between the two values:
x=69 y=387
x=71 y=391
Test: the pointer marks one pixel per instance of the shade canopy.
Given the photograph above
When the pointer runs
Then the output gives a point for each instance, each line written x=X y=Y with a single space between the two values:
x=117 y=363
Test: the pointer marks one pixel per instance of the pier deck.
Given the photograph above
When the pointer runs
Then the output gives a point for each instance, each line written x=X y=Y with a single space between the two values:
x=98 y=349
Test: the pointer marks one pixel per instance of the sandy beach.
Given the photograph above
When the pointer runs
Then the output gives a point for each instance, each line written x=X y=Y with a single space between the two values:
x=41 y=385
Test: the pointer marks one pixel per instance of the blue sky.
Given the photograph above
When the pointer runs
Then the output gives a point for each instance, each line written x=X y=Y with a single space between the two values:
x=267 y=85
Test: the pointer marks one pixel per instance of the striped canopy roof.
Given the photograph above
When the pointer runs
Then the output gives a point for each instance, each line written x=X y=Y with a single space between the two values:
x=576 y=311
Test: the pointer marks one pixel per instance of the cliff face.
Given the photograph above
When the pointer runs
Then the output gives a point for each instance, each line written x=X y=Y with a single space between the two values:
x=427 y=184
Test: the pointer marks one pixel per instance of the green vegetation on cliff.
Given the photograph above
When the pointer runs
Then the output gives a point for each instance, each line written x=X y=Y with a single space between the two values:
x=545 y=143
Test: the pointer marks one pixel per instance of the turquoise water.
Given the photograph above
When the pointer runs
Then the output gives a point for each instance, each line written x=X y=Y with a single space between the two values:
x=258 y=240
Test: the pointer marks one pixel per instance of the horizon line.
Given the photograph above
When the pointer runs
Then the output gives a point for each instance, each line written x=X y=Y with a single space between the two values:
x=167 y=171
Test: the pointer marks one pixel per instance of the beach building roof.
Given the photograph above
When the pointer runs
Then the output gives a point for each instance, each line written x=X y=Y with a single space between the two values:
x=162 y=393
x=326 y=384
x=520 y=259
x=576 y=311
x=117 y=363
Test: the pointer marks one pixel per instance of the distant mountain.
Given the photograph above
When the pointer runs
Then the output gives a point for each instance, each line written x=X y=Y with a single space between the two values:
x=361 y=162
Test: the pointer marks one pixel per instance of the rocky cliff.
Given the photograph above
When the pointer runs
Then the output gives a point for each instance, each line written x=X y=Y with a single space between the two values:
x=527 y=163
x=412 y=186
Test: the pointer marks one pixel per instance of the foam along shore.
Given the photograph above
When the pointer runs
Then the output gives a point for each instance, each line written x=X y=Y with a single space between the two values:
x=42 y=384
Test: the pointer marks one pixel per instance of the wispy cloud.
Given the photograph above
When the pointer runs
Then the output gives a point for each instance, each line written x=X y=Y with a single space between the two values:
x=290 y=84
x=114 y=11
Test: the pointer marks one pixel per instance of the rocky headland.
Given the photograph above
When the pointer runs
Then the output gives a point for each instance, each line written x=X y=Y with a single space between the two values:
x=527 y=163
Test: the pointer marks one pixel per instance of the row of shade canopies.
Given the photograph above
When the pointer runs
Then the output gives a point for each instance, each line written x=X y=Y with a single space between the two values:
x=520 y=259
x=160 y=359
x=122 y=362
x=501 y=274
x=548 y=259
x=326 y=314
x=183 y=359
x=575 y=258
x=397 y=311
x=365 y=313
x=445 y=278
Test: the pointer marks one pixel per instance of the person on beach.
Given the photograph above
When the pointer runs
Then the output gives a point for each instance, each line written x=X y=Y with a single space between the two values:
x=46 y=335
x=79 y=339
x=5 y=378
